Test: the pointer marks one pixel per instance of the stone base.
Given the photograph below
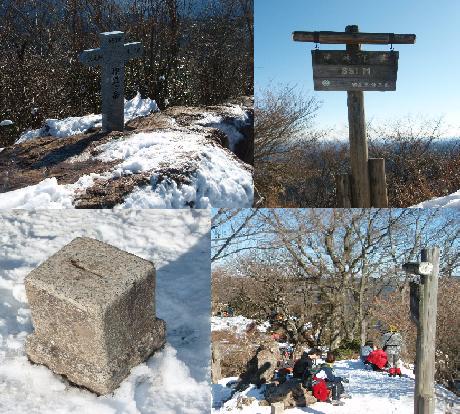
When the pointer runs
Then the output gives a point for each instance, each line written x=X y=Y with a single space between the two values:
x=100 y=378
x=291 y=394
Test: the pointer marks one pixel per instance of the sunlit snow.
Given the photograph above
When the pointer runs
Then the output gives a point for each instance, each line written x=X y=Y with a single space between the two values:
x=174 y=380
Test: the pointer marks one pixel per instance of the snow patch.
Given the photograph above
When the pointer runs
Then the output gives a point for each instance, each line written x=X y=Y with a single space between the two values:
x=47 y=194
x=449 y=201
x=174 y=380
x=6 y=122
x=219 y=180
x=237 y=324
x=77 y=125
x=231 y=130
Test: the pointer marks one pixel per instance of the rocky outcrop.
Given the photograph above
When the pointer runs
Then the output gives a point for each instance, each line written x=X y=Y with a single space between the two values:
x=292 y=393
x=253 y=356
x=67 y=159
x=260 y=369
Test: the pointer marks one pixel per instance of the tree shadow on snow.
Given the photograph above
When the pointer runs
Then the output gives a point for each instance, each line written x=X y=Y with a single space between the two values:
x=183 y=294
x=69 y=149
x=13 y=321
x=374 y=382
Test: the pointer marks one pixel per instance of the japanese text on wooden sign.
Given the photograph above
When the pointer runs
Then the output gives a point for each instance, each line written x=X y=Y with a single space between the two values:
x=340 y=70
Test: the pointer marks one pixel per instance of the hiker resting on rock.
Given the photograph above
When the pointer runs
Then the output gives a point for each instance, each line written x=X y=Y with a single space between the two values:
x=326 y=376
x=304 y=366
x=391 y=344
x=377 y=359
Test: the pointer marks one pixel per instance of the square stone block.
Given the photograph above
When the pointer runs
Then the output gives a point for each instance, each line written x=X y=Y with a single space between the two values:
x=93 y=311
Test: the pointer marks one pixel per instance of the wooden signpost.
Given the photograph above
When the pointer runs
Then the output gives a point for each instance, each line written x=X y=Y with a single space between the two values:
x=356 y=71
x=423 y=304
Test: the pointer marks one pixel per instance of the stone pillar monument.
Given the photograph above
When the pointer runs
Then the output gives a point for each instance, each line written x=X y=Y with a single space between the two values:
x=93 y=311
x=112 y=56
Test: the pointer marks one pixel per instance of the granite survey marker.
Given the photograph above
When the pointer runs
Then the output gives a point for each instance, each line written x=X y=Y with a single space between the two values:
x=111 y=56
x=93 y=311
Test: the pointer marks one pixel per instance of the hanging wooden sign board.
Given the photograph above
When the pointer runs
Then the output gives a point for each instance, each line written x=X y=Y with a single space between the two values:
x=340 y=70
x=355 y=71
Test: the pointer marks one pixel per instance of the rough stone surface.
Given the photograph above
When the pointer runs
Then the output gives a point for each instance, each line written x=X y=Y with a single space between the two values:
x=277 y=408
x=261 y=368
x=112 y=56
x=290 y=393
x=93 y=311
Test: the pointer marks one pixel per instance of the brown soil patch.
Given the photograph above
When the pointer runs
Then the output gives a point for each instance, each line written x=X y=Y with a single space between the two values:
x=156 y=120
x=109 y=193
x=32 y=161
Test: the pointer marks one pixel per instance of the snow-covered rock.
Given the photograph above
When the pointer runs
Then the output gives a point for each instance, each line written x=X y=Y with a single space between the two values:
x=174 y=380
x=6 y=122
x=178 y=158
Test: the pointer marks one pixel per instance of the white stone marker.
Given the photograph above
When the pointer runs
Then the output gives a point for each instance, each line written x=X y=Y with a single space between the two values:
x=112 y=56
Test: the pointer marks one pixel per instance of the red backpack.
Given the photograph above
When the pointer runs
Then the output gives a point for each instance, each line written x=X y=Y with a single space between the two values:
x=319 y=388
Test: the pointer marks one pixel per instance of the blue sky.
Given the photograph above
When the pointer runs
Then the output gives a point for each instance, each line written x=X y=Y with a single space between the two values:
x=436 y=220
x=429 y=71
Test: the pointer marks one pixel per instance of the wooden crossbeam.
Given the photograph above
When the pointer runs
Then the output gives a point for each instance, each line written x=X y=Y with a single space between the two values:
x=325 y=37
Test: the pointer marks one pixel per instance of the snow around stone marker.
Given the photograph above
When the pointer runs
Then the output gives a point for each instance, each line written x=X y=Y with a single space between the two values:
x=111 y=56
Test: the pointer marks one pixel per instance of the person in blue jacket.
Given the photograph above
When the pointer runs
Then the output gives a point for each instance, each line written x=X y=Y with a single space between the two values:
x=333 y=382
x=365 y=351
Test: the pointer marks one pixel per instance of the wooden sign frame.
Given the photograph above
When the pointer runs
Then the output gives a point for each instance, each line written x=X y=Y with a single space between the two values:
x=340 y=70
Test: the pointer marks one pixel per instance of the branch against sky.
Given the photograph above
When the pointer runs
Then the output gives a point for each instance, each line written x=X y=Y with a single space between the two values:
x=232 y=231
x=349 y=257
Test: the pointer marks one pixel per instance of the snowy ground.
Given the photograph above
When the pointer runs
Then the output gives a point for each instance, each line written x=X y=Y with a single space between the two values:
x=208 y=175
x=371 y=392
x=450 y=201
x=77 y=125
x=174 y=380
x=237 y=324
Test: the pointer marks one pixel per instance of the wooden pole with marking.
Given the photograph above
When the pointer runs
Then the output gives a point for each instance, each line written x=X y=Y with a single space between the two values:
x=356 y=71
x=358 y=140
x=424 y=398
x=343 y=191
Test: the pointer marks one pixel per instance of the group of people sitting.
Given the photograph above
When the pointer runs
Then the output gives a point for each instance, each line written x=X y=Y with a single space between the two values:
x=320 y=378
x=382 y=359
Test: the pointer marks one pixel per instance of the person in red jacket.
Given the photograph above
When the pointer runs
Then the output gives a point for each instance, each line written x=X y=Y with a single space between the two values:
x=378 y=359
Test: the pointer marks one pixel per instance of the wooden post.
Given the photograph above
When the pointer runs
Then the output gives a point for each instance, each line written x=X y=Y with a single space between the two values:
x=378 y=183
x=424 y=398
x=358 y=140
x=343 y=191
x=356 y=71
